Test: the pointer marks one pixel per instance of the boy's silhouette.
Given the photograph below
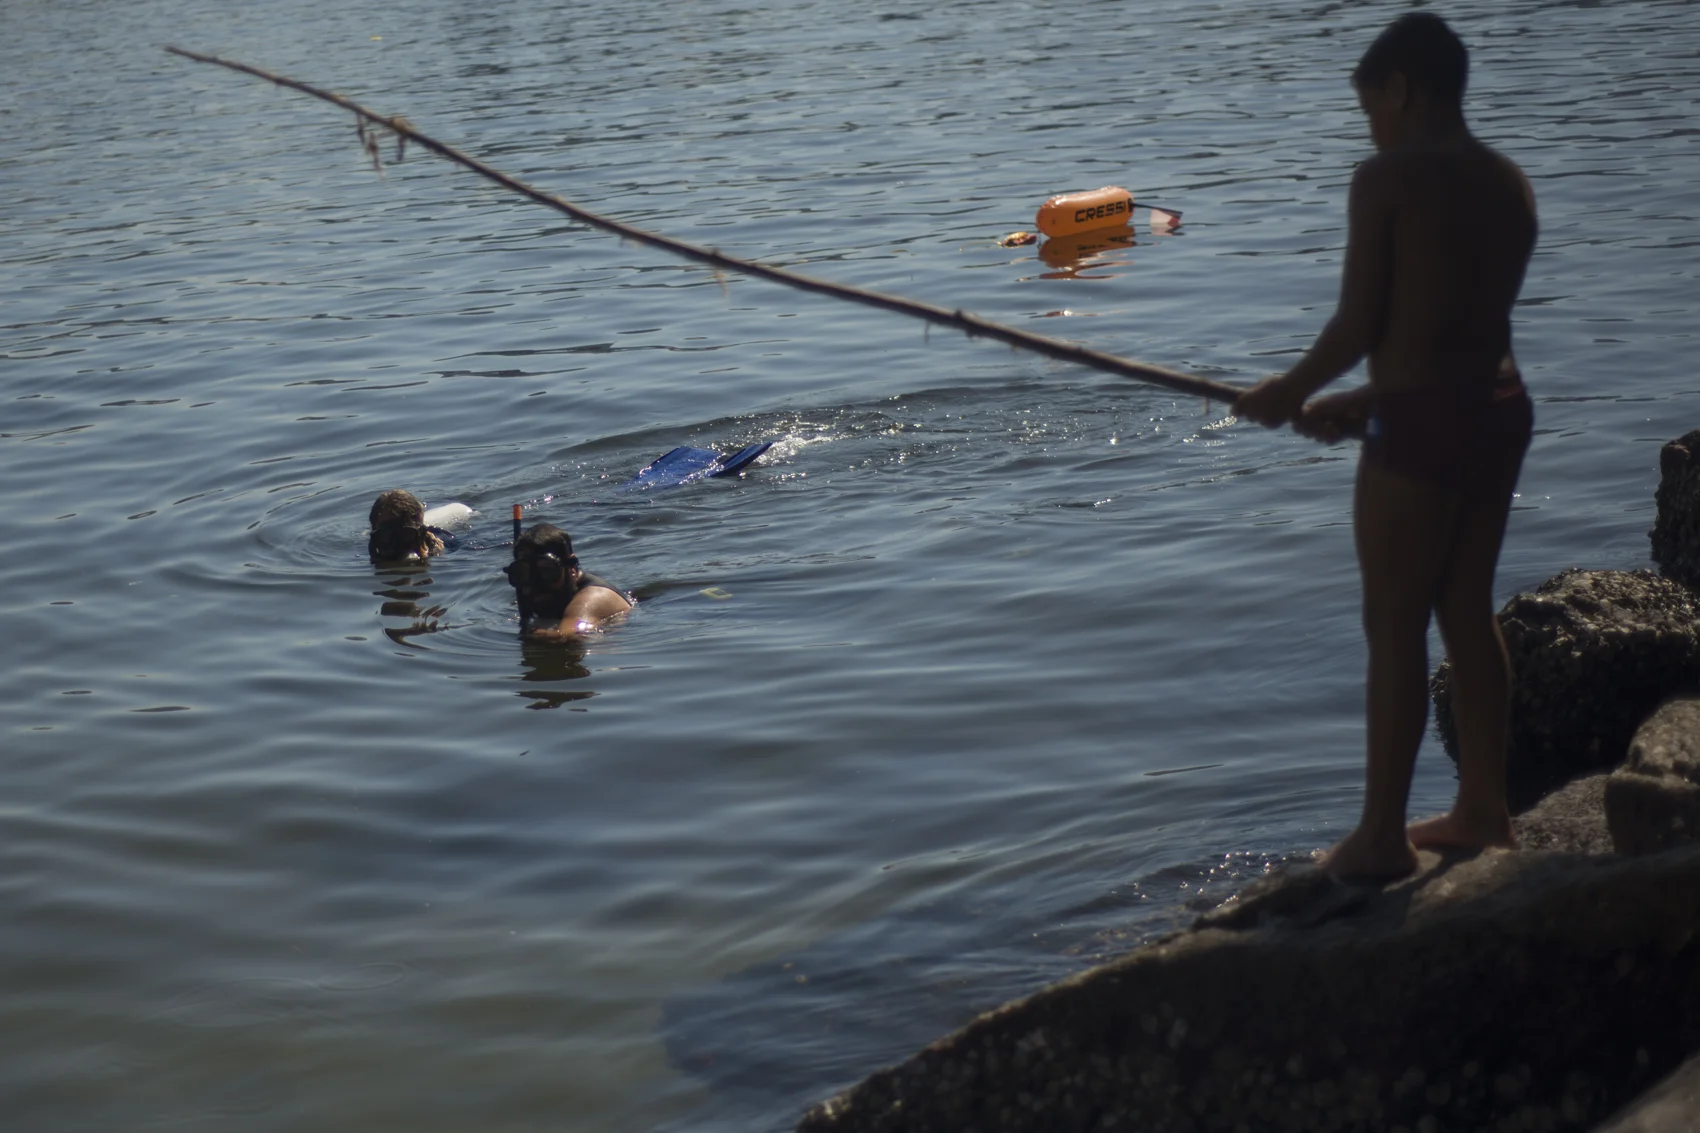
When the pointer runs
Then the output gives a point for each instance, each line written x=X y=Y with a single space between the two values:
x=1440 y=229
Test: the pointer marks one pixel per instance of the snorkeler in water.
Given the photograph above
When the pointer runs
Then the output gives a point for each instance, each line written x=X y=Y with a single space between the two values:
x=558 y=600
x=399 y=531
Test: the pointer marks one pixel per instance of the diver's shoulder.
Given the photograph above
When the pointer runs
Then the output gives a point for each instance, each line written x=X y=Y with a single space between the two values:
x=614 y=599
x=586 y=580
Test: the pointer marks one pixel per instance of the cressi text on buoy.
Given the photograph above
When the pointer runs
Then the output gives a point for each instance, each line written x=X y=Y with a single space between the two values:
x=1068 y=213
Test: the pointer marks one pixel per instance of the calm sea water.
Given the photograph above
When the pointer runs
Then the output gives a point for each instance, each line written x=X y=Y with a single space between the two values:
x=993 y=667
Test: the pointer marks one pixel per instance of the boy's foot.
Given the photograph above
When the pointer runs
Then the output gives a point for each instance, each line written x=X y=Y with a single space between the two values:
x=1456 y=832
x=1358 y=858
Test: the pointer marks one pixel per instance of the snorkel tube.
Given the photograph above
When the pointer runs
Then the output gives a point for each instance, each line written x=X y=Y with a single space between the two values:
x=519 y=592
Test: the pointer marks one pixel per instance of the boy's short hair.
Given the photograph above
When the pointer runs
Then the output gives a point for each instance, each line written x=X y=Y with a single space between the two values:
x=1420 y=46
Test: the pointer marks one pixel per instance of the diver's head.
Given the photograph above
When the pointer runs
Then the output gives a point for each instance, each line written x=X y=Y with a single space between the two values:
x=398 y=528
x=544 y=570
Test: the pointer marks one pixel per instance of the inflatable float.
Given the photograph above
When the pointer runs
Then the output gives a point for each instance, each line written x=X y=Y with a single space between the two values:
x=447 y=515
x=1067 y=214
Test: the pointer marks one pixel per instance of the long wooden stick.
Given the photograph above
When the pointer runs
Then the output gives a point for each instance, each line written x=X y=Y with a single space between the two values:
x=973 y=325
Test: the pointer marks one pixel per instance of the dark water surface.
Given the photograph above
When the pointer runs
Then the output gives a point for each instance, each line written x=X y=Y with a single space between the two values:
x=1013 y=661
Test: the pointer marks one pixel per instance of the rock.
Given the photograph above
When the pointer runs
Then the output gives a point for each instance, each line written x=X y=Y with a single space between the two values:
x=1676 y=528
x=1511 y=990
x=1653 y=800
x=1672 y=1106
x=1572 y=818
x=1592 y=653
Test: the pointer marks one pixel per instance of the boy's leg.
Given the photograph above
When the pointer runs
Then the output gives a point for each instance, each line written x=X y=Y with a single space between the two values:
x=1481 y=672
x=1402 y=528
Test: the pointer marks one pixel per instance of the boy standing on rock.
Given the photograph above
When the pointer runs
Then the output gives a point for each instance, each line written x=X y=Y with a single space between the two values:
x=1440 y=228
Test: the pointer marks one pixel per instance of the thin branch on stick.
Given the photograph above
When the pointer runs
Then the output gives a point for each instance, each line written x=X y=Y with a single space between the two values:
x=972 y=325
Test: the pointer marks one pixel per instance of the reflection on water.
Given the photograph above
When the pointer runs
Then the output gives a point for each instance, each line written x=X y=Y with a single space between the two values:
x=402 y=599
x=1070 y=256
x=553 y=662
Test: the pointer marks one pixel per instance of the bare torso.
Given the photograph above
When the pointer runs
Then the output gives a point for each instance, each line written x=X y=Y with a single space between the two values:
x=1461 y=226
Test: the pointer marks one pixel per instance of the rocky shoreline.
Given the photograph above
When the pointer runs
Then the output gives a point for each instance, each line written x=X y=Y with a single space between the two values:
x=1552 y=987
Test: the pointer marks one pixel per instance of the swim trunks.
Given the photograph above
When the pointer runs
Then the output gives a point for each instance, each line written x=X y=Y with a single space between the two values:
x=1451 y=436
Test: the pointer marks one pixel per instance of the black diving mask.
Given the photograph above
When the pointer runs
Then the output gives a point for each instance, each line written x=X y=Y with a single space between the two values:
x=539 y=572
x=395 y=540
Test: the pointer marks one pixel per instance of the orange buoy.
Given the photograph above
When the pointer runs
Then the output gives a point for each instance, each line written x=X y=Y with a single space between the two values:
x=1068 y=213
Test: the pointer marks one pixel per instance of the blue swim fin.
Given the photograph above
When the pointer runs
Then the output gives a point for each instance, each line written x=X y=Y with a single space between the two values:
x=684 y=464
x=738 y=461
x=680 y=466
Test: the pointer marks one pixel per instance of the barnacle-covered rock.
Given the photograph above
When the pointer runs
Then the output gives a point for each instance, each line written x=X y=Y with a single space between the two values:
x=1676 y=528
x=1512 y=990
x=1652 y=802
x=1673 y=1106
x=1593 y=652
x=1570 y=818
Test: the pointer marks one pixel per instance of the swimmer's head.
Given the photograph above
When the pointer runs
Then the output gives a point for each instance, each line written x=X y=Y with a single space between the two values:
x=544 y=566
x=1421 y=47
x=398 y=528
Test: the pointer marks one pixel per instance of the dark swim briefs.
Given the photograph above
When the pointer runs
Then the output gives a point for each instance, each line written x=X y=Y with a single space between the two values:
x=1451 y=436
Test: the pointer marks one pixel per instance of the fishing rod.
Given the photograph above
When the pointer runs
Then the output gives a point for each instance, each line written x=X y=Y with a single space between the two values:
x=972 y=325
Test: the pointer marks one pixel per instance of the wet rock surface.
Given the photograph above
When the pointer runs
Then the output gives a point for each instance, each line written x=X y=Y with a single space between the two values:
x=1652 y=802
x=1676 y=527
x=1672 y=1106
x=1511 y=990
x=1593 y=652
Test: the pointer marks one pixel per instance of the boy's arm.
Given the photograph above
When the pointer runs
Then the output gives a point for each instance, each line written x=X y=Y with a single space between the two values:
x=586 y=612
x=1362 y=312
